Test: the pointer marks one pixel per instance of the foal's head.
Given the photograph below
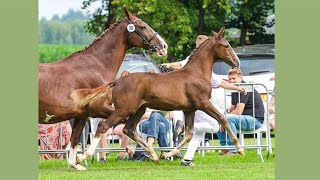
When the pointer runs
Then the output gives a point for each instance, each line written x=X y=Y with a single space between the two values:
x=142 y=35
x=224 y=51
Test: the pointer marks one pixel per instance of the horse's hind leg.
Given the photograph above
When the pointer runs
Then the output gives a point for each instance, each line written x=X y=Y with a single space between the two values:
x=213 y=112
x=102 y=128
x=189 y=123
x=130 y=130
x=77 y=127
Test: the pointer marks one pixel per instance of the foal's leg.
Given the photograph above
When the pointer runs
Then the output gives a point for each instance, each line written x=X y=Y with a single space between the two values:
x=213 y=112
x=131 y=126
x=102 y=129
x=130 y=130
x=77 y=128
x=189 y=123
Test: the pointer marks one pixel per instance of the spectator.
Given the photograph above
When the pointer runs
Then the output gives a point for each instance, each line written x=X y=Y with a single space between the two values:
x=272 y=108
x=117 y=130
x=202 y=122
x=49 y=135
x=156 y=126
x=241 y=112
x=178 y=65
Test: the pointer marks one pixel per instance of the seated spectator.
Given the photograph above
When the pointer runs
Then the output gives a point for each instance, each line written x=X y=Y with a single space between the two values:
x=156 y=126
x=116 y=131
x=49 y=135
x=241 y=112
x=272 y=106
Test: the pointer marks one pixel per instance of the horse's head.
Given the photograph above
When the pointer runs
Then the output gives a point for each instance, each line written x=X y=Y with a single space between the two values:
x=224 y=51
x=142 y=35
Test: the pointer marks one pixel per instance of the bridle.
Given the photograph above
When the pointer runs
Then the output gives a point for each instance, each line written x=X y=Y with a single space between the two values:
x=145 y=39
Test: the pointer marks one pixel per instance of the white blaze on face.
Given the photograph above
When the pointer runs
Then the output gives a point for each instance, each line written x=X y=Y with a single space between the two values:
x=163 y=51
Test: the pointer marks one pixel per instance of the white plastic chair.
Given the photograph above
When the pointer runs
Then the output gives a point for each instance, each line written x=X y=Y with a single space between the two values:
x=259 y=132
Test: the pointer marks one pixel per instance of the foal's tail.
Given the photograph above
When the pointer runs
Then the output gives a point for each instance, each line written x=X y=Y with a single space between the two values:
x=83 y=97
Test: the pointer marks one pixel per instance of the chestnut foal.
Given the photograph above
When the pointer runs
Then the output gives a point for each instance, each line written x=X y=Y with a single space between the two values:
x=187 y=89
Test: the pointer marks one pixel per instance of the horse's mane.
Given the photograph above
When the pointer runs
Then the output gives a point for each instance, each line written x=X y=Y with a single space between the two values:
x=200 y=47
x=102 y=34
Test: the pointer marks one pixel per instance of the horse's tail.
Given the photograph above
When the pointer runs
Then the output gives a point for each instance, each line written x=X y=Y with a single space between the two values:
x=83 y=97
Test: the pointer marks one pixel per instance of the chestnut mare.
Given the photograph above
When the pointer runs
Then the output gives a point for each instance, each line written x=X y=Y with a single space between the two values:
x=187 y=89
x=91 y=67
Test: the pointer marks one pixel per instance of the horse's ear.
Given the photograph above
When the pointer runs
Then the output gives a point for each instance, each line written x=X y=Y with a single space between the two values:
x=128 y=14
x=214 y=33
x=221 y=32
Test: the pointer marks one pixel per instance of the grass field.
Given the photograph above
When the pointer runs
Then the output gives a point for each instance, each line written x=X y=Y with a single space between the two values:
x=210 y=166
x=50 y=53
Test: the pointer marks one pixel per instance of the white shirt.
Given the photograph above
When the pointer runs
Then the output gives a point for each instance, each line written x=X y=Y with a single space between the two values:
x=215 y=80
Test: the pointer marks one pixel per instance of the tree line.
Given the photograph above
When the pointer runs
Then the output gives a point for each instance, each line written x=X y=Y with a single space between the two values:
x=180 y=21
x=177 y=21
x=68 y=29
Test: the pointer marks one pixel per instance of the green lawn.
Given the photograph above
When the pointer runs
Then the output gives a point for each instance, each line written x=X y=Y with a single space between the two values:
x=210 y=166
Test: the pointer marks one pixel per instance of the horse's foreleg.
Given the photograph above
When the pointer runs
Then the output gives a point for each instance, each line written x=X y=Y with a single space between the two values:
x=189 y=123
x=77 y=127
x=213 y=112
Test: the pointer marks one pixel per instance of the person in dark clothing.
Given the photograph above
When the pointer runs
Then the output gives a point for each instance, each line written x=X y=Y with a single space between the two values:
x=241 y=112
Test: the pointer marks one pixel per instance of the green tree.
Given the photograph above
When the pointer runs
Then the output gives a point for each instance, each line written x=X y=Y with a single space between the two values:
x=73 y=15
x=156 y=13
x=205 y=16
x=250 y=18
x=178 y=26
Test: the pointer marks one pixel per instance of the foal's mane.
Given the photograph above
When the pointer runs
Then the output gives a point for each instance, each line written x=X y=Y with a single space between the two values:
x=198 y=48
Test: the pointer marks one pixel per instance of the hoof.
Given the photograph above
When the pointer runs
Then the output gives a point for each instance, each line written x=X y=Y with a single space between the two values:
x=155 y=160
x=80 y=168
x=130 y=152
x=163 y=155
x=80 y=158
x=241 y=151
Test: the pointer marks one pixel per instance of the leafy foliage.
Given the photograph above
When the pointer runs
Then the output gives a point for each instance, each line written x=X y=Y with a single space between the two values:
x=178 y=25
x=250 y=17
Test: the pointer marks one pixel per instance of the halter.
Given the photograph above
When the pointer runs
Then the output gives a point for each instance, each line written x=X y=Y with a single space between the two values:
x=151 y=47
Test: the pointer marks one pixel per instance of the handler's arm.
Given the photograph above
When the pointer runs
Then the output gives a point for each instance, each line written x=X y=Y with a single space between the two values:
x=174 y=65
x=226 y=85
